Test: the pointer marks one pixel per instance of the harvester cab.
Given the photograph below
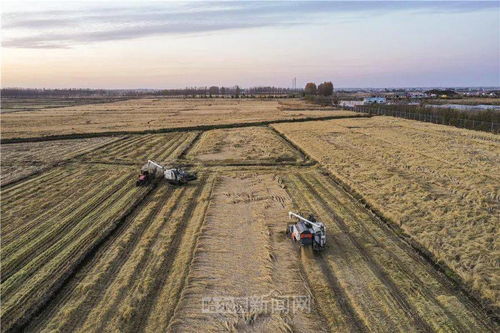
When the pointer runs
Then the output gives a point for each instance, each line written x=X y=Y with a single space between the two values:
x=307 y=232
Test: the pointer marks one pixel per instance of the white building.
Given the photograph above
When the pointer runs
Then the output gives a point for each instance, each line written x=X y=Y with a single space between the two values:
x=351 y=103
x=374 y=100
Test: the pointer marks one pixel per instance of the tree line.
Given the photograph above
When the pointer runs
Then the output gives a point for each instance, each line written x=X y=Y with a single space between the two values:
x=212 y=91
x=73 y=92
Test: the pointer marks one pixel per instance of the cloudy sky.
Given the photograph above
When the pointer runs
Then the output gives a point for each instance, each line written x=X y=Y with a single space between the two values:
x=124 y=44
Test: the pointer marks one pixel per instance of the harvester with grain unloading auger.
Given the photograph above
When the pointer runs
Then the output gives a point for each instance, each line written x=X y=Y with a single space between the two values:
x=307 y=232
x=152 y=170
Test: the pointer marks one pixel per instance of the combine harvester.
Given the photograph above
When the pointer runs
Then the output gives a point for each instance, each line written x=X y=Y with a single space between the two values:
x=152 y=170
x=307 y=232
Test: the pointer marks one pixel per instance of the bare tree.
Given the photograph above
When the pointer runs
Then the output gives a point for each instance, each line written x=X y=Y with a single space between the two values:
x=213 y=90
x=325 y=89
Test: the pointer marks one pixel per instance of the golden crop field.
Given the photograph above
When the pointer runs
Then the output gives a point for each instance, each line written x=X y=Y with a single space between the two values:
x=440 y=184
x=22 y=159
x=236 y=145
x=153 y=114
x=86 y=250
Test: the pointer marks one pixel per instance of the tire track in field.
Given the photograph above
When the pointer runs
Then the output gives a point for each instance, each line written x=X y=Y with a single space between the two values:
x=374 y=267
x=169 y=258
x=342 y=300
x=406 y=249
x=80 y=312
x=45 y=240
x=115 y=303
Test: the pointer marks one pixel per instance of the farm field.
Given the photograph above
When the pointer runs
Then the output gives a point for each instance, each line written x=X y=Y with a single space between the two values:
x=137 y=149
x=155 y=114
x=11 y=104
x=49 y=224
x=174 y=250
x=85 y=250
x=236 y=145
x=439 y=184
x=22 y=159
x=467 y=101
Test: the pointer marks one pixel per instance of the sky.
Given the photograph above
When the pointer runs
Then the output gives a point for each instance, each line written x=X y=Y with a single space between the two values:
x=166 y=44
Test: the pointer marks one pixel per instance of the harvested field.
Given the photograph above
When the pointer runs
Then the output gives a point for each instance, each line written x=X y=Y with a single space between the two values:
x=439 y=184
x=152 y=273
x=243 y=144
x=163 y=148
x=50 y=223
x=154 y=114
x=22 y=159
x=11 y=104
x=135 y=279
x=84 y=249
x=253 y=261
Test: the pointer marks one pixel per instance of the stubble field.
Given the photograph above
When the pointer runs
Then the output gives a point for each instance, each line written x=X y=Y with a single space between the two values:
x=83 y=249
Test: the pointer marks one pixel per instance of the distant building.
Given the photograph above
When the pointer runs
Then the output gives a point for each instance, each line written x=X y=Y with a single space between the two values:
x=351 y=103
x=374 y=100
x=417 y=94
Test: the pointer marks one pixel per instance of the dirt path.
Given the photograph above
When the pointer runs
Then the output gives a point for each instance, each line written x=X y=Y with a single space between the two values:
x=242 y=254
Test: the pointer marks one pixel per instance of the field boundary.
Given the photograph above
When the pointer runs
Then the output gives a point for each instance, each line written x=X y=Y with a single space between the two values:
x=492 y=311
x=176 y=129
